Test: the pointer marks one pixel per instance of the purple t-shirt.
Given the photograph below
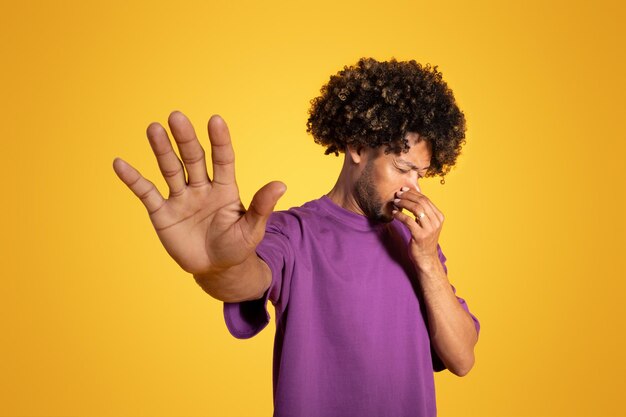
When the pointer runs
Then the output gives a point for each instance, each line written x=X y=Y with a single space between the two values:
x=351 y=333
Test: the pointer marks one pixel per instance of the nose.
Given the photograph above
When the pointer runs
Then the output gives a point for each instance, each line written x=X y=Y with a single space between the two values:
x=412 y=182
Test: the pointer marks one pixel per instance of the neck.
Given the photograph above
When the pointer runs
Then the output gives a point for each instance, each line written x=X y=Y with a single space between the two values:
x=342 y=193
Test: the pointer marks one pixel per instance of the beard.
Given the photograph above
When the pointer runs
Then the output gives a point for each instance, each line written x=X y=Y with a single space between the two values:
x=368 y=199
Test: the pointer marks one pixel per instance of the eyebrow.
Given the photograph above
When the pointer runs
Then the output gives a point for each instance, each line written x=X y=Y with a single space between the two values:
x=410 y=164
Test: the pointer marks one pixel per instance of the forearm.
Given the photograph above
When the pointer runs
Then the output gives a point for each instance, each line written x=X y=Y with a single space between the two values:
x=246 y=281
x=452 y=330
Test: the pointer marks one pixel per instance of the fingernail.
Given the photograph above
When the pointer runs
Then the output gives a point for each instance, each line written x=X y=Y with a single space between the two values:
x=394 y=211
x=404 y=188
x=396 y=200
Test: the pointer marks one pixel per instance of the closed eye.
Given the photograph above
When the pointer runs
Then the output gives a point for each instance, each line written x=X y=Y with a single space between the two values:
x=406 y=171
x=410 y=166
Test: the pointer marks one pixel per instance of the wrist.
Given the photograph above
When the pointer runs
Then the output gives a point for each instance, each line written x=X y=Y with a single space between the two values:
x=428 y=263
x=218 y=271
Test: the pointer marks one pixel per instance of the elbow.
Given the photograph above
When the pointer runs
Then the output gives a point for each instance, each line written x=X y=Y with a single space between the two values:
x=460 y=371
x=463 y=367
x=465 y=359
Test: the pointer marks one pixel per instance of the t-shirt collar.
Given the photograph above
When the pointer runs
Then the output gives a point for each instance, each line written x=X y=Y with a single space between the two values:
x=347 y=217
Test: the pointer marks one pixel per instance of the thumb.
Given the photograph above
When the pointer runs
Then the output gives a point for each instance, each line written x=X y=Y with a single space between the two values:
x=263 y=204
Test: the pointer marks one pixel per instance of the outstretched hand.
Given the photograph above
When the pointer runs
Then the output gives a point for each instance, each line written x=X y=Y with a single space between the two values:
x=202 y=224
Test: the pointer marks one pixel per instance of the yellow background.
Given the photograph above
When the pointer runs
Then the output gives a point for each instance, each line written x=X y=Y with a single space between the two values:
x=97 y=320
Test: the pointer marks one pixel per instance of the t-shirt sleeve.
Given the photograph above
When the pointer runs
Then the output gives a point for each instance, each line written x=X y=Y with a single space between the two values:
x=438 y=365
x=247 y=318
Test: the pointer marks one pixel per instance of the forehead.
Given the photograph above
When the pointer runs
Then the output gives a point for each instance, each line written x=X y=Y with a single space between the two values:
x=419 y=154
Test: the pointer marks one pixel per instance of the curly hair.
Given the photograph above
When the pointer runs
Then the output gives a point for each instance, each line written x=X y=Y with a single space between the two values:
x=377 y=103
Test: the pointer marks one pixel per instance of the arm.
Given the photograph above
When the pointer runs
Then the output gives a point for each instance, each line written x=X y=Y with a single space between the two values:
x=203 y=224
x=244 y=282
x=451 y=328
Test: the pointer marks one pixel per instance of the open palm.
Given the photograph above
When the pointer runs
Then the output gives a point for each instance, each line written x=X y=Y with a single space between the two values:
x=202 y=224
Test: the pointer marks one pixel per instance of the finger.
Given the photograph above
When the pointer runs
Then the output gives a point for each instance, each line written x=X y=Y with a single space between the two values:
x=428 y=207
x=222 y=153
x=422 y=219
x=409 y=221
x=420 y=211
x=427 y=217
x=141 y=187
x=435 y=210
x=262 y=206
x=190 y=149
x=169 y=164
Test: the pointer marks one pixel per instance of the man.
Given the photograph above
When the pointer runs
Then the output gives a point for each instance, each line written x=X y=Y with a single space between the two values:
x=364 y=309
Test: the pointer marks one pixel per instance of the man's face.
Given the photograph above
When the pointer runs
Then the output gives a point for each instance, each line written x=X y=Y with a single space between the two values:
x=384 y=175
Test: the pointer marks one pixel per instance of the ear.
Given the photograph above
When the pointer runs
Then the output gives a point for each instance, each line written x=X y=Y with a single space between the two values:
x=355 y=153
